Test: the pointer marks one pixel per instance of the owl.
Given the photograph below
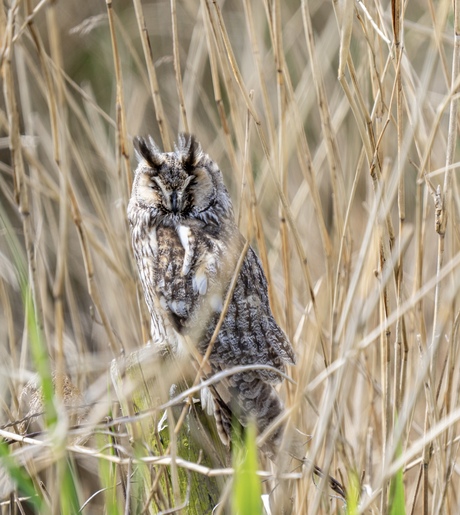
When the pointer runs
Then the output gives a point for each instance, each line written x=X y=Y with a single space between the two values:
x=187 y=246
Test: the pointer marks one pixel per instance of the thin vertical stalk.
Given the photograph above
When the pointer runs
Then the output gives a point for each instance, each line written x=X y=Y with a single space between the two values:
x=233 y=62
x=452 y=397
x=326 y=125
x=122 y=137
x=386 y=238
x=453 y=127
x=331 y=153
x=60 y=154
x=399 y=334
x=153 y=81
x=443 y=198
x=214 y=59
x=268 y=112
x=176 y=53
x=89 y=269
x=21 y=194
x=281 y=163
x=444 y=209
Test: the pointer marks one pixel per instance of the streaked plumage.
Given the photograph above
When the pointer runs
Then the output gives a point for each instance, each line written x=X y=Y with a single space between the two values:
x=187 y=245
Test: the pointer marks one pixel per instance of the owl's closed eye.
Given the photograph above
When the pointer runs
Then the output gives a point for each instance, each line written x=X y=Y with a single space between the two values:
x=176 y=183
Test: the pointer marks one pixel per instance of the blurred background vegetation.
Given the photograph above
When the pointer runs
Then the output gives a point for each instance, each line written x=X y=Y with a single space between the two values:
x=335 y=126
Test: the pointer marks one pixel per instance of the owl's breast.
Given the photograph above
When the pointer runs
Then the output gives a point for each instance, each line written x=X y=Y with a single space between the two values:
x=170 y=252
x=169 y=260
x=184 y=277
x=174 y=271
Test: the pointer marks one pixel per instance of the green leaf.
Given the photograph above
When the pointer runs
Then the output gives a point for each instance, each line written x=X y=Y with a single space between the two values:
x=20 y=477
x=397 y=502
x=353 y=494
x=38 y=346
x=246 y=484
x=108 y=476
x=68 y=491
x=40 y=356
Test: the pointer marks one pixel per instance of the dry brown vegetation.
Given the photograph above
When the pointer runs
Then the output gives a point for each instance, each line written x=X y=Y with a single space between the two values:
x=335 y=126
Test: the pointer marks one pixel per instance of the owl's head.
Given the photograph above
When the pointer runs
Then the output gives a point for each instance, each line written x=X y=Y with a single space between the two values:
x=171 y=186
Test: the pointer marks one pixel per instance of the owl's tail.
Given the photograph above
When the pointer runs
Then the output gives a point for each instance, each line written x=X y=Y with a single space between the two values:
x=247 y=397
x=243 y=398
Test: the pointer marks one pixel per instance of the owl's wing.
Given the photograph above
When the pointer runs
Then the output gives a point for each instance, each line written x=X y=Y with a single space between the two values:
x=249 y=333
x=192 y=300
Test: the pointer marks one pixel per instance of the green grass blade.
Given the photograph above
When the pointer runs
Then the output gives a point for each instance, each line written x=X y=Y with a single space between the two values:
x=246 y=487
x=20 y=477
x=68 y=492
x=40 y=357
x=397 y=502
x=353 y=494
x=38 y=347
x=108 y=476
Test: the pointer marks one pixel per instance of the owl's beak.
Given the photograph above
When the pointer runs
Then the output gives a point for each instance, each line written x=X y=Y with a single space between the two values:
x=174 y=206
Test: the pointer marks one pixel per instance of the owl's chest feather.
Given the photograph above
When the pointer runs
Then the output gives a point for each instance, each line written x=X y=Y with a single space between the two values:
x=178 y=269
x=167 y=257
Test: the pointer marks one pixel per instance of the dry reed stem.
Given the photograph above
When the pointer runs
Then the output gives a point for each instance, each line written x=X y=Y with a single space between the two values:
x=122 y=137
x=180 y=92
x=153 y=81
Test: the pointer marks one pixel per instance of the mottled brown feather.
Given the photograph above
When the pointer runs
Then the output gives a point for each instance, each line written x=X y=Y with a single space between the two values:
x=186 y=245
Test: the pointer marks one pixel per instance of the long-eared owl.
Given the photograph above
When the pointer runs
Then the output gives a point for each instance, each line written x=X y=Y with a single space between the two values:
x=187 y=245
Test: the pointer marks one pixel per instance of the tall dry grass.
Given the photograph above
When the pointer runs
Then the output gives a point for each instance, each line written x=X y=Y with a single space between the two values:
x=335 y=126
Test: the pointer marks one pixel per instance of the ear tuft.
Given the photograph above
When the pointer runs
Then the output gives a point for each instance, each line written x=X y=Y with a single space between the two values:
x=189 y=150
x=148 y=151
